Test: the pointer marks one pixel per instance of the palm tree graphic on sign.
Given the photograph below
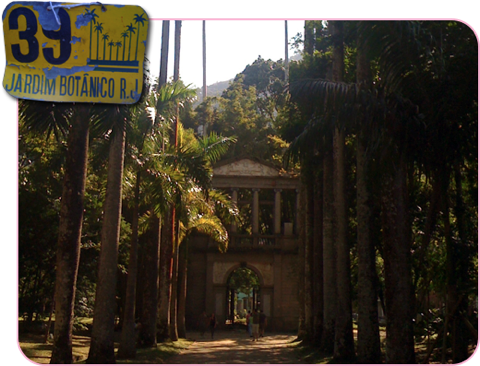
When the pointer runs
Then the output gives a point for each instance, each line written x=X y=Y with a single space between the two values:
x=118 y=45
x=105 y=38
x=131 y=29
x=124 y=35
x=98 y=29
x=138 y=19
x=92 y=16
x=124 y=60
x=111 y=44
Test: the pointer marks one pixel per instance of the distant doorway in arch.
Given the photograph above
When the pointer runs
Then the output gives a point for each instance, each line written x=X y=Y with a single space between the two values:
x=243 y=294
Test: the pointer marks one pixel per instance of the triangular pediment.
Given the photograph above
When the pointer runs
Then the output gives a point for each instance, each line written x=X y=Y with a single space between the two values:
x=245 y=168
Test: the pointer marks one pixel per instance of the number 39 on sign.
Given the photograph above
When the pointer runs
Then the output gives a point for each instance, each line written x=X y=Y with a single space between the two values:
x=69 y=52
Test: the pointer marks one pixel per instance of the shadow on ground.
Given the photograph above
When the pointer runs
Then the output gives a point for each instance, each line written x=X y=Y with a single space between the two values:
x=236 y=346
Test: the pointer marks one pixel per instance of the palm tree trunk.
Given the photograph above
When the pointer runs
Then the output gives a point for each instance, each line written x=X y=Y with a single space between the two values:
x=301 y=261
x=174 y=281
x=127 y=347
x=162 y=79
x=165 y=279
x=286 y=53
x=368 y=345
x=176 y=55
x=368 y=337
x=308 y=181
x=204 y=56
x=148 y=330
x=175 y=221
x=460 y=330
x=101 y=345
x=182 y=289
x=309 y=37
x=398 y=282
x=329 y=271
x=69 y=234
x=318 y=255
x=344 y=346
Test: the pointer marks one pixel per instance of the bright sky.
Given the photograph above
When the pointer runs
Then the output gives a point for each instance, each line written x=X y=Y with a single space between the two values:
x=231 y=45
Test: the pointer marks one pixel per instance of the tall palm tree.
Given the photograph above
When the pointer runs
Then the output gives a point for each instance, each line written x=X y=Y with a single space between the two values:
x=147 y=142
x=194 y=159
x=344 y=346
x=201 y=216
x=175 y=222
x=127 y=347
x=388 y=118
x=69 y=235
x=368 y=344
x=74 y=121
x=329 y=258
x=102 y=343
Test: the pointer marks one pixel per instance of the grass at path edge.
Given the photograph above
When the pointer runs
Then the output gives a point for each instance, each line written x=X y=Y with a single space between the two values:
x=37 y=351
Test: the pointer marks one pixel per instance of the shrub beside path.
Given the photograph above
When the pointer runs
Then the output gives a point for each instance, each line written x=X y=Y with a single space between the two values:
x=235 y=346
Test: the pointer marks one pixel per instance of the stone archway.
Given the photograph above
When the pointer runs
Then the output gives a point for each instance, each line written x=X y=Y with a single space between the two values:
x=221 y=273
x=244 y=289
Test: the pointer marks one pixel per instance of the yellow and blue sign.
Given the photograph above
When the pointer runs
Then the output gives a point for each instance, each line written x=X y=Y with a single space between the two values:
x=69 y=52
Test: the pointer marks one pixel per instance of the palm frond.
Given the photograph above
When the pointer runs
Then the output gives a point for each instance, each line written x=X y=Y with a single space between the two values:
x=108 y=118
x=324 y=97
x=396 y=45
x=164 y=100
x=224 y=207
x=301 y=148
x=209 y=225
x=325 y=104
x=162 y=188
x=215 y=146
x=45 y=117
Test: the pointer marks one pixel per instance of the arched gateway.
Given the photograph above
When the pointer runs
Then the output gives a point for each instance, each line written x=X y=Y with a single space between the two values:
x=264 y=240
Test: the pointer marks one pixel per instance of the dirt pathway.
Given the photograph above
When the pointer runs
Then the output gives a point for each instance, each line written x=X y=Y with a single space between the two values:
x=235 y=346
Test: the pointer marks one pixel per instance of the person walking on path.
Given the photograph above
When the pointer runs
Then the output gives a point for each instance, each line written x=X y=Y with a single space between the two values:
x=203 y=323
x=256 y=324
x=249 y=323
x=263 y=323
x=212 y=324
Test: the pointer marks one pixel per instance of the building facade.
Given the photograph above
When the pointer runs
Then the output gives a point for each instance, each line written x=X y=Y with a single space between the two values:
x=264 y=240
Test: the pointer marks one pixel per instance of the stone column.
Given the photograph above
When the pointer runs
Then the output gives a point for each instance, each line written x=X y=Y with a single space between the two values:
x=297 y=210
x=235 y=201
x=277 y=215
x=255 y=209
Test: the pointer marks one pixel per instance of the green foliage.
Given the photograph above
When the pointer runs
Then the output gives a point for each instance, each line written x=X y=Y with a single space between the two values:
x=243 y=280
x=251 y=108
x=404 y=109
x=39 y=192
x=167 y=172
